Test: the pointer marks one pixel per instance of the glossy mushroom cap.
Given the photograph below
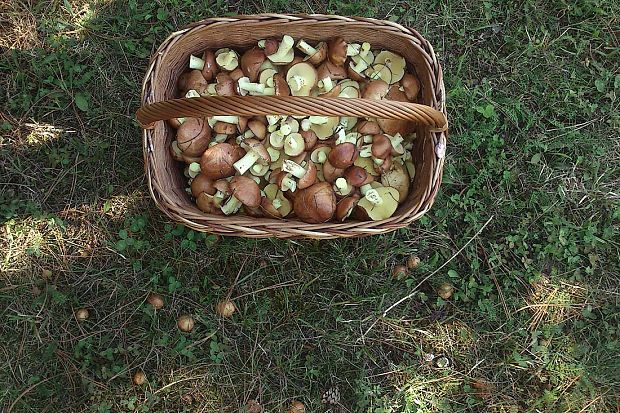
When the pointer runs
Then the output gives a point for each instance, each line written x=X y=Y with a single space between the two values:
x=345 y=207
x=210 y=68
x=367 y=127
x=343 y=155
x=246 y=191
x=381 y=146
x=193 y=136
x=202 y=183
x=251 y=62
x=331 y=173
x=192 y=80
x=337 y=51
x=225 y=85
x=356 y=176
x=217 y=161
x=316 y=203
x=328 y=69
x=411 y=84
x=258 y=128
x=310 y=138
x=376 y=90
x=280 y=85
x=309 y=178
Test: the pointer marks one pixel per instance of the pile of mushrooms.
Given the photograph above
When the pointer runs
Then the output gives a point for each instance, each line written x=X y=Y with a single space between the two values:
x=314 y=168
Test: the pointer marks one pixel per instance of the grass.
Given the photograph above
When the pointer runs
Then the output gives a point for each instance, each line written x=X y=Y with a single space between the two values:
x=533 y=323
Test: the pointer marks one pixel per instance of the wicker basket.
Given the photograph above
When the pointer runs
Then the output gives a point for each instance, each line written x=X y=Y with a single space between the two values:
x=165 y=181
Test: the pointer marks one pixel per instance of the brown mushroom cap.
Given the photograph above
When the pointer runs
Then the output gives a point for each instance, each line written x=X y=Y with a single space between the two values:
x=258 y=147
x=376 y=90
x=193 y=136
x=258 y=128
x=309 y=178
x=225 y=128
x=343 y=155
x=225 y=85
x=320 y=55
x=328 y=69
x=310 y=138
x=202 y=184
x=356 y=176
x=330 y=173
x=385 y=166
x=381 y=146
x=245 y=190
x=192 y=80
x=223 y=186
x=236 y=74
x=411 y=84
x=255 y=212
x=210 y=68
x=345 y=207
x=394 y=93
x=397 y=178
x=174 y=122
x=367 y=127
x=217 y=161
x=316 y=203
x=206 y=203
x=337 y=51
x=358 y=77
x=251 y=62
x=280 y=85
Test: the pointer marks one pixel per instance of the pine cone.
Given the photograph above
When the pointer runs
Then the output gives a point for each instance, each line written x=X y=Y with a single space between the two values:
x=331 y=396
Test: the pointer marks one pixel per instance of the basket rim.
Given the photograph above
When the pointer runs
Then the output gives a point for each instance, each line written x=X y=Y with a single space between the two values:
x=292 y=228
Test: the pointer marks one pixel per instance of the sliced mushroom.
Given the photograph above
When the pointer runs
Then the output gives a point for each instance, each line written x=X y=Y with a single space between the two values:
x=394 y=62
x=316 y=203
x=306 y=176
x=294 y=144
x=274 y=203
x=320 y=153
x=323 y=126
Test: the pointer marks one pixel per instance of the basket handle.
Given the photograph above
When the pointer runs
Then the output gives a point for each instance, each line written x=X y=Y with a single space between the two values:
x=290 y=105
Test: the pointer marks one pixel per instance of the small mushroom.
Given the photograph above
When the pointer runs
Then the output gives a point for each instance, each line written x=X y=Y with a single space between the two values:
x=225 y=308
x=343 y=155
x=269 y=45
x=381 y=146
x=274 y=203
x=310 y=139
x=411 y=86
x=244 y=192
x=337 y=51
x=258 y=128
x=314 y=55
x=367 y=127
x=227 y=59
x=225 y=85
x=301 y=78
x=185 y=323
x=255 y=152
x=192 y=80
x=397 y=178
x=315 y=204
x=357 y=176
x=251 y=61
x=224 y=128
x=349 y=89
x=320 y=153
x=330 y=71
x=202 y=183
x=294 y=144
x=345 y=207
x=244 y=86
x=376 y=90
x=285 y=52
x=367 y=164
x=193 y=137
x=208 y=203
x=217 y=161
x=331 y=173
x=306 y=176
x=380 y=203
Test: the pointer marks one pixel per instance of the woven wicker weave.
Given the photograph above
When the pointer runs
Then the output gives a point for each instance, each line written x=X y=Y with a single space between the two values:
x=166 y=182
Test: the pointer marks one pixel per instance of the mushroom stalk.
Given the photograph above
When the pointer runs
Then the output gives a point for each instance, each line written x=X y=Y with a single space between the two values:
x=360 y=66
x=226 y=119
x=373 y=197
x=192 y=94
x=321 y=157
x=342 y=184
x=194 y=169
x=296 y=83
x=231 y=206
x=353 y=49
x=326 y=84
x=283 y=49
x=294 y=169
x=245 y=84
x=288 y=184
x=365 y=188
x=196 y=63
x=211 y=89
x=245 y=163
x=366 y=151
x=305 y=47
